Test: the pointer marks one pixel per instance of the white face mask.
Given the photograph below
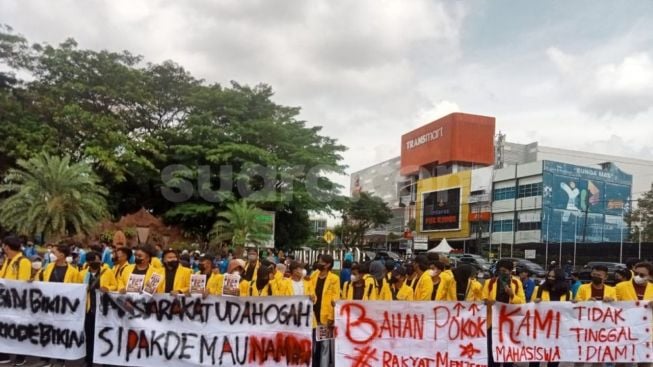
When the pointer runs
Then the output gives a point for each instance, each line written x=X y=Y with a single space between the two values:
x=69 y=259
x=354 y=279
x=303 y=273
x=236 y=273
x=52 y=258
x=479 y=275
x=36 y=265
x=639 y=280
x=432 y=273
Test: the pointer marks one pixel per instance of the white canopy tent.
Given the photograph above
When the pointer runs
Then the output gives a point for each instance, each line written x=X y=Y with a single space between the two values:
x=442 y=248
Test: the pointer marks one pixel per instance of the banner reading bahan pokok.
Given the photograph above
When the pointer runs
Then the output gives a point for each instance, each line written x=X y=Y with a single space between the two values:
x=411 y=334
x=190 y=331
x=42 y=319
x=592 y=332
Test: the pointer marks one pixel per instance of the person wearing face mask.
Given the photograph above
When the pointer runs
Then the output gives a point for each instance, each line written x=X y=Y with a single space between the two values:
x=214 y=279
x=327 y=292
x=377 y=271
x=640 y=287
x=97 y=277
x=435 y=269
x=399 y=289
x=251 y=269
x=14 y=267
x=177 y=277
x=237 y=267
x=357 y=288
x=467 y=287
x=300 y=286
x=411 y=278
x=597 y=290
x=371 y=291
x=142 y=266
x=281 y=284
x=424 y=276
x=503 y=288
x=60 y=271
x=262 y=286
x=121 y=260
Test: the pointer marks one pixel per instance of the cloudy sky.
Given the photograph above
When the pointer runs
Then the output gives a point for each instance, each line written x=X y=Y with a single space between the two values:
x=571 y=74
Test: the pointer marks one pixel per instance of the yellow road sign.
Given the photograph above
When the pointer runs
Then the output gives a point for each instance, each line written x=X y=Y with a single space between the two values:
x=329 y=237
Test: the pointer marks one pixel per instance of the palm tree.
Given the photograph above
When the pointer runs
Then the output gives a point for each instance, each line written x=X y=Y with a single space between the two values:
x=241 y=224
x=51 y=196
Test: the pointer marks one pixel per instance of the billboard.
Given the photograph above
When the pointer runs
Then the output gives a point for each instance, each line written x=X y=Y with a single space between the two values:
x=457 y=137
x=441 y=210
x=583 y=203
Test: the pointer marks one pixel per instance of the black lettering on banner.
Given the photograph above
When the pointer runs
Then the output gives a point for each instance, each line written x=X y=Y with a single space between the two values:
x=106 y=340
x=41 y=334
x=207 y=349
x=34 y=300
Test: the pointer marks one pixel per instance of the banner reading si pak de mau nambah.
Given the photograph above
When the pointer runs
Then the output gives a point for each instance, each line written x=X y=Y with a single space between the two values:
x=592 y=332
x=162 y=330
x=396 y=334
x=39 y=319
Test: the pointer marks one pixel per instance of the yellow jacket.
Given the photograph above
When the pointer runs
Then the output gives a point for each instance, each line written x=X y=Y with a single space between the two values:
x=156 y=262
x=243 y=286
x=474 y=291
x=490 y=290
x=585 y=292
x=72 y=275
x=281 y=284
x=447 y=289
x=308 y=289
x=424 y=287
x=117 y=269
x=214 y=284
x=255 y=274
x=124 y=278
x=546 y=297
x=626 y=291
x=330 y=294
x=405 y=293
x=107 y=280
x=369 y=291
x=18 y=268
x=182 y=279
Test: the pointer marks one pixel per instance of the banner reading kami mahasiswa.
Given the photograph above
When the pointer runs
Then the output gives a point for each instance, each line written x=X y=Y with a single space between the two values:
x=592 y=332
x=411 y=334
x=42 y=319
x=191 y=331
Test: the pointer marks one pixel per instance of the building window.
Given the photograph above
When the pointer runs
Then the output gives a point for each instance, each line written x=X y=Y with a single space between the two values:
x=529 y=226
x=504 y=193
x=526 y=191
x=502 y=225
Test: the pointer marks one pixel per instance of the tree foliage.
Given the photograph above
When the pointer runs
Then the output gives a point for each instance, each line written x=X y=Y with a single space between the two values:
x=361 y=214
x=240 y=225
x=641 y=218
x=129 y=120
x=52 y=196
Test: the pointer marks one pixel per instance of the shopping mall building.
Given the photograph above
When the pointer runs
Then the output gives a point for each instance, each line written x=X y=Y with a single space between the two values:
x=457 y=179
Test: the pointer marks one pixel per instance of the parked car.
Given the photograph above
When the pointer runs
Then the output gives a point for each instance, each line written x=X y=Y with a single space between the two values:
x=476 y=261
x=585 y=275
x=534 y=268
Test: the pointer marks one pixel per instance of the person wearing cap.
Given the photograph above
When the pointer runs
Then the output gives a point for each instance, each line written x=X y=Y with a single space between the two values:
x=15 y=267
x=378 y=274
x=503 y=288
x=253 y=264
x=399 y=289
x=177 y=277
x=142 y=266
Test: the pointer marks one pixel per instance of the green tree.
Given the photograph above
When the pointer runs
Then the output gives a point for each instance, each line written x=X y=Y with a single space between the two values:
x=240 y=225
x=361 y=214
x=50 y=195
x=641 y=219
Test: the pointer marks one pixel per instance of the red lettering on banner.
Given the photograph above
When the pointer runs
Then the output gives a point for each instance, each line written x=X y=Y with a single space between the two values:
x=604 y=335
x=361 y=321
x=402 y=326
x=458 y=328
x=526 y=354
x=607 y=353
x=441 y=360
x=531 y=324
x=283 y=348
x=597 y=314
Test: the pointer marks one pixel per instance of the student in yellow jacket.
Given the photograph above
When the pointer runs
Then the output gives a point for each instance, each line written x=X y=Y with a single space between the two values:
x=280 y=281
x=253 y=264
x=377 y=271
x=142 y=266
x=597 y=290
x=236 y=267
x=327 y=292
x=59 y=271
x=399 y=289
x=555 y=288
x=424 y=276
x=358 y=288
x=299 y=285
x=16 y=266
x=467 y=287
x=177 y=277
x=503 y=288
x=264 y=286
x=214 y=279
x=121 y=260
x=447 y=287
x=640 y=287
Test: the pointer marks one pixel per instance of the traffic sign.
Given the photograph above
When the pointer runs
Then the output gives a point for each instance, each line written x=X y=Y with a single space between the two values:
x=329 y=237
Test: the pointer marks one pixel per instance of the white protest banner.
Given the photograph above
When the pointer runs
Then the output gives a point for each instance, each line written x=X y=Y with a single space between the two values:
x=42 y=319
x=192 y=331
x=587 y=332
x=411 y=334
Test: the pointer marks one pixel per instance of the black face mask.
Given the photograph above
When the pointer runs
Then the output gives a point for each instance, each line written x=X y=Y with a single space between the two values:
x=139 y=261
x=393 y=280
x=597 y=280
x=321 y=267
x=550 y=282
x=94 y=265
x=172 y=264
